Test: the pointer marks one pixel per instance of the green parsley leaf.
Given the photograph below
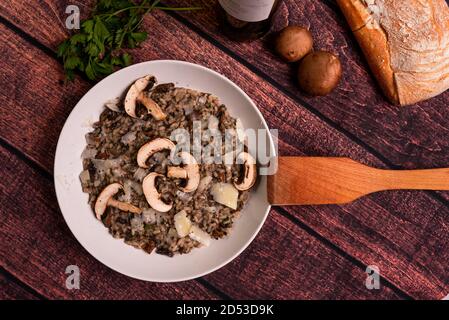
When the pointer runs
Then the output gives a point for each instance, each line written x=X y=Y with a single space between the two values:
x=127 y=59
x=97 y=49
x=72 y=62
x=139 y=37
x=89 y=71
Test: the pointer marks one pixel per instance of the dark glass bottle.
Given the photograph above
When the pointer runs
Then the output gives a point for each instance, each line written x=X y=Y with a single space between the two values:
x=246 y=19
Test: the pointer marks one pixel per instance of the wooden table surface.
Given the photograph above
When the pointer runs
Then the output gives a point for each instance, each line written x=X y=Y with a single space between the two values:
x=306 y=252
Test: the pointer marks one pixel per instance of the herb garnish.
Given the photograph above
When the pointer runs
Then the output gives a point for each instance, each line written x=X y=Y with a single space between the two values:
x=97 y=49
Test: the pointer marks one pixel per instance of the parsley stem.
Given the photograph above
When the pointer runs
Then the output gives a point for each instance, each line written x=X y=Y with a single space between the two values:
x=177 y=9
x=146 y=12
x=150 y=7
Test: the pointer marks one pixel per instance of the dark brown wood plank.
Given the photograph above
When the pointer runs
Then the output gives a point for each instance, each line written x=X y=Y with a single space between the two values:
x=342 y=268
x=286 y=263
x=411 y=137
x=11 y=290
x=401 y=242
x=38 y=246
x=301 y=133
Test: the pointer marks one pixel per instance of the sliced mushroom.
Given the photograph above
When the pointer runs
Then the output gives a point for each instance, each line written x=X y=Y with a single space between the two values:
x=136 y=94
x=133 y=92
x=150 y=148
x=152 y=195
x=177 y=172
x=106 y=199
x=151 y=106
x=249 y=172
x=190 y=171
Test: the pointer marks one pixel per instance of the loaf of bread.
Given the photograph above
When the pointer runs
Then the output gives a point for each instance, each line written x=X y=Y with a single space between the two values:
x=406 y=43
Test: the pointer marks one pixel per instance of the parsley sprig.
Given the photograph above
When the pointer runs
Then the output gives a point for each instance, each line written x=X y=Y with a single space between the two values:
x=97 y=49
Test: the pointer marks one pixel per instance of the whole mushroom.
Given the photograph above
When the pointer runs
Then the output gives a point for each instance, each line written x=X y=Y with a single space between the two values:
x=136 y=94
x=319 y=73
x=293 y=43
x=105 y=199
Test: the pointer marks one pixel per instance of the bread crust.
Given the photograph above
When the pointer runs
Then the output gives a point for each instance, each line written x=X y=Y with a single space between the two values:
x=406 y=44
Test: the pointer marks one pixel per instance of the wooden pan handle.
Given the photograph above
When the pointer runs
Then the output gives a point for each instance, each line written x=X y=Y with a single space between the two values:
x=320 y=180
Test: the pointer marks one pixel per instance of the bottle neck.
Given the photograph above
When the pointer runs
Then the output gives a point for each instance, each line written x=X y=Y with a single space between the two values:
x=243 y=20
x=248 y=10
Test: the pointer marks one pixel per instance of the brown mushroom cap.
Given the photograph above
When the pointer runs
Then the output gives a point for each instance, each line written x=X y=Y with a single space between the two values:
x=293 y=43
x=249 y=173
x=319 y=73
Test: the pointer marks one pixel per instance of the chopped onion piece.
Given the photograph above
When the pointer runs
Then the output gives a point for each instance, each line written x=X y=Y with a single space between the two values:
x=84 y=177
x=149 y=215
x=140 y=174
x=127 y=190
x=188 y=109
x=128 y=187
x=104 y=165
x=183 y=196
x=128 y=137
x=137 y=224
x=88 y=153
x=90 y=140
x=204 y=184
x=113 y=104
x=202 y=99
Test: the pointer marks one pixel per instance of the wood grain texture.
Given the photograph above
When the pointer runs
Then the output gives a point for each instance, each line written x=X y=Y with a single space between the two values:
x=375 y=230
x=11 y=290
x=293 y=286
x=38 y=247
x=336 y=180
x=284 y=262
x=412 y=137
